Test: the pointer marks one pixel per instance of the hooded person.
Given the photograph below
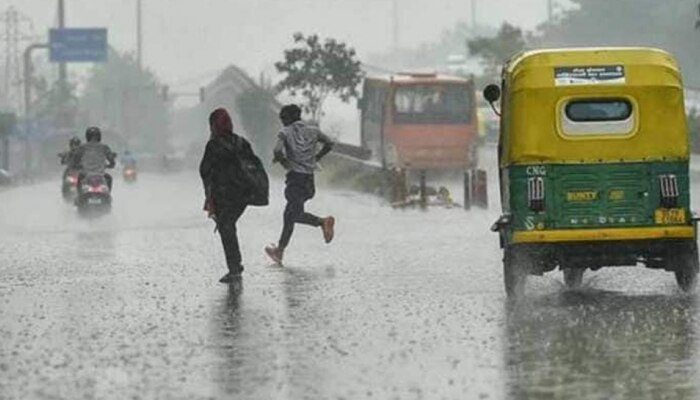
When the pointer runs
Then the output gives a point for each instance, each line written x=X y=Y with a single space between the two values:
x=224 y=186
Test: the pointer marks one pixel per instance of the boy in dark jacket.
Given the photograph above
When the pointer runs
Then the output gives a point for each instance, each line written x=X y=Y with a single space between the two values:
x=224 y=187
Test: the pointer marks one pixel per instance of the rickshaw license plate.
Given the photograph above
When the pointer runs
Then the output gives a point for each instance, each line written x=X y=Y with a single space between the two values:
x=94 y=201
x=665 y=216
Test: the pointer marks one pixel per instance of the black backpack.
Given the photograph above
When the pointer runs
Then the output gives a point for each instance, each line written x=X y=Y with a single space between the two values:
x=254 y=179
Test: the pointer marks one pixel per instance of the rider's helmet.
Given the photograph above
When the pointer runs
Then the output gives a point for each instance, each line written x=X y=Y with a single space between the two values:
x=93 y=134
x=74 y=142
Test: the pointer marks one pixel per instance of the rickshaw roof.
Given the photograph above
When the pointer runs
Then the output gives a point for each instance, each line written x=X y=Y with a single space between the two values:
x=535 y=95
x=631 y=58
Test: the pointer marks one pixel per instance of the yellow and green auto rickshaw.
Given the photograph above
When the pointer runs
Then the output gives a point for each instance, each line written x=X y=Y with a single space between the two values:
x=593 y=156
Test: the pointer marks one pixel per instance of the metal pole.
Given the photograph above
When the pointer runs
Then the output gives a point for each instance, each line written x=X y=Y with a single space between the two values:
x=62 y=69
x=473 y=14
x=28 y=99
x=5 y=152
x=550 y=10
x=139 y=34
x=396 y=23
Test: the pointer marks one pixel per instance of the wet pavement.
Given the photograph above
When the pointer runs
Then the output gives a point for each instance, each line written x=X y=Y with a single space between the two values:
x=403 y=305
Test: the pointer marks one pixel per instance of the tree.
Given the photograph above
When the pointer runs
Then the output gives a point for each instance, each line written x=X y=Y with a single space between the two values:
x=128 y=102
x=316 y=69
x=258 y=113
x=496 y=50
x=429 y=55
x=663 y=24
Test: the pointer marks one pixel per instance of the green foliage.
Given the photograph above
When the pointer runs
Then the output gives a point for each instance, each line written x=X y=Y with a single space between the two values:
x=259 y=119
x=496 y=50
x=694 y=130
x=126 y=101
x=429 y=55
x=316 y=69
x=665 y=24
x=8 y=121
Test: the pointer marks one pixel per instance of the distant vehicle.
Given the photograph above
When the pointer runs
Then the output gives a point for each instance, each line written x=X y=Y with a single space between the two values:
x=5 y=178
x=420 y=123
x=461 y=65
x=129 y=173
x=489 y=125
x=593 y=157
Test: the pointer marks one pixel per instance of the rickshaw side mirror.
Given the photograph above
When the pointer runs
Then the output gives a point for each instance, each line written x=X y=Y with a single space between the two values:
x=492 y=93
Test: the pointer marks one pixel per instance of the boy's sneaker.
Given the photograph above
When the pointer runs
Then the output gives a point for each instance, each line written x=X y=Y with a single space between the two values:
x=328 y=227
x=275 y=253
x=230 y=277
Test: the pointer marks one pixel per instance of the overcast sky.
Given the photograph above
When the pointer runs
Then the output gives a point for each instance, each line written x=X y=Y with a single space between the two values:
x=185 y=40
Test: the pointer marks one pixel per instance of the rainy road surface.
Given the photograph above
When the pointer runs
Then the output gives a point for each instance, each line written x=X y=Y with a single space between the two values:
x=403 y=305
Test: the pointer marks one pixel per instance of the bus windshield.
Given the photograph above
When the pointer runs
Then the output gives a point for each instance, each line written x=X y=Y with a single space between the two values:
x=433 y=104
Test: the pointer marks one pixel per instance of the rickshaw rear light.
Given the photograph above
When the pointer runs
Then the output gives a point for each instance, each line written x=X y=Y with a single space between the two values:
x=668 y=185
x=535 y=193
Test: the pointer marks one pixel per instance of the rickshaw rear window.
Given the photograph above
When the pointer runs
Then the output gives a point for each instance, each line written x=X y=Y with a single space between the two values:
x=603 y=110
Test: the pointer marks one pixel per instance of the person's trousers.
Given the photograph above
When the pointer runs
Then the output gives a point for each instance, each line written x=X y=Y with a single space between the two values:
x=300 y=188
x=227 y=217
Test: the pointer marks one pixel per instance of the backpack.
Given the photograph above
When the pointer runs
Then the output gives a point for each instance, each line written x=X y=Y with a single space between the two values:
x=254 y=179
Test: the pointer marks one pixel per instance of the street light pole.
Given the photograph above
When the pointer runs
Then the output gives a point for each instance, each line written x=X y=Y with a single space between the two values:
x=396 y=23
x=28 y=100
x=62 y=68
x=550 y=10
x=139 y=34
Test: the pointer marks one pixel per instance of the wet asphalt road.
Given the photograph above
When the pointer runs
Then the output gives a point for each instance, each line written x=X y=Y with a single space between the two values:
x=403 y=305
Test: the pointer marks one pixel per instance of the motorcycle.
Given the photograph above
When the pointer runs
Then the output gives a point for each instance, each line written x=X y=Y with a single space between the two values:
x=129 y=173
x=94 y=195
x=69 y=187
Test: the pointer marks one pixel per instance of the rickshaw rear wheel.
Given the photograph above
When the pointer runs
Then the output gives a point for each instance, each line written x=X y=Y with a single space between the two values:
x=686 y=271
x=573 y=277
x=516 y=264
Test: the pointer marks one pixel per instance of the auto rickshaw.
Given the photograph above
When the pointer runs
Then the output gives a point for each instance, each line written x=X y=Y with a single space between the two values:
x=593 y=162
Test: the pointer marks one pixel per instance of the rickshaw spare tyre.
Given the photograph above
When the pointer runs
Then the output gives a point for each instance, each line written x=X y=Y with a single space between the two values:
x=573 y=277
x=686 y=268
x=516 y=265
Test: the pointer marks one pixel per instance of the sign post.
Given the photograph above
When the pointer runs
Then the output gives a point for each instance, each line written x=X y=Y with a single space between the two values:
x=78 y=45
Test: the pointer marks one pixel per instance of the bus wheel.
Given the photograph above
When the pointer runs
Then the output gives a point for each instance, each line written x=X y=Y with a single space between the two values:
x=686 y=271
x=515 y=269
x=573 y=277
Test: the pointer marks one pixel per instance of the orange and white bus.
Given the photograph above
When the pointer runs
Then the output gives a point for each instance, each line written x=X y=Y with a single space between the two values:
x=420 y=123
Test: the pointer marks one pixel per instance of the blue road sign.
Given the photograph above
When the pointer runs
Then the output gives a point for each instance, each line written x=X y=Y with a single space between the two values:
x=78 y=45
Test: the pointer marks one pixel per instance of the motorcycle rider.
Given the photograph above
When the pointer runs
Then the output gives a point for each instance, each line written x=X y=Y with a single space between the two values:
x=94 y=157
x=128 y=160
x=67 y=157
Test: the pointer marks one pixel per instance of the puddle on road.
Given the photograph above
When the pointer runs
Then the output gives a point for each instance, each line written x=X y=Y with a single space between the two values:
x=592 y=344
